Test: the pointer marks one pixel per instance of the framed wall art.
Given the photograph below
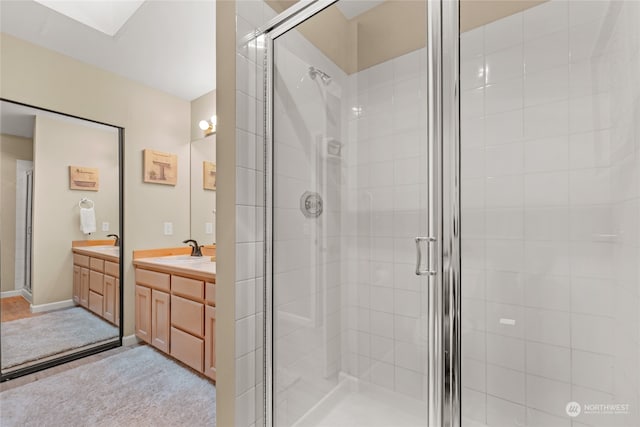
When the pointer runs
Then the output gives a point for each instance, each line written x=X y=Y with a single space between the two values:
x=160 y=168
x=82 y=178
x=208 y=175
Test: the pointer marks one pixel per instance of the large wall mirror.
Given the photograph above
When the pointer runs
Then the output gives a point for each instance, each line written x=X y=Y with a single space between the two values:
x=203 y=193
x=202 y=153
x=61 y=231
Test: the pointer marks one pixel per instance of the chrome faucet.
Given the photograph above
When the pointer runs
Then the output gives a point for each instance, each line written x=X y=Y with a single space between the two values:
x=115 y=236
x=196 y=250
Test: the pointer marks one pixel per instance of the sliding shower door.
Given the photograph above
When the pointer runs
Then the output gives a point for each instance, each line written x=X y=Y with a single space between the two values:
x=347 y=203
x=550 y=225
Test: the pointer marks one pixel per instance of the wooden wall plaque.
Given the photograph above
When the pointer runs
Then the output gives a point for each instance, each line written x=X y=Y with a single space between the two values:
x=82 y=178
x=209 y=175
x=160 y=168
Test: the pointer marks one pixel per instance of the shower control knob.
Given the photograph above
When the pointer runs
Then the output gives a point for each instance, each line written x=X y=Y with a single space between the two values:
x=311 y=204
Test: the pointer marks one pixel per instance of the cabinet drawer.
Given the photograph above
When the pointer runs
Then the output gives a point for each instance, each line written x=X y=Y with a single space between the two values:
x=210 y=293
x=95 y=302
x=153 y=279
x=96 y=264
x=187 y=315
x=112 y=269
x=96 y=282
x=189 y=288
x=187 y=349
x=81 y=260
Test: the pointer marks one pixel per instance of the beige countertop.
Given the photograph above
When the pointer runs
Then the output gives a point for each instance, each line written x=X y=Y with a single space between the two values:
x=198 y=267
x=110 y=253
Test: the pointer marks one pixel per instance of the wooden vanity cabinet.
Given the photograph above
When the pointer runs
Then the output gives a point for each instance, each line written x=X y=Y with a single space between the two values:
x=76 y=285
x=143 y=313
x=160 y=306
x=182 y=318
x=153 y=304
x=210 y=342
x=109 y=302
x=96 y=290
x=187 y=321
x=84 y=287
x=96 y=284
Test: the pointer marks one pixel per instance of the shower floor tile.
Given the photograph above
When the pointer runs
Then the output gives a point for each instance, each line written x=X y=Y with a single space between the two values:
x=368 y=407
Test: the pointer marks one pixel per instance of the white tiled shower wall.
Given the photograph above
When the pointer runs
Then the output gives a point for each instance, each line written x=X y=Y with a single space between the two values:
x=384 y=302
x=550 y=214
x=249 y=409
x=307 y=279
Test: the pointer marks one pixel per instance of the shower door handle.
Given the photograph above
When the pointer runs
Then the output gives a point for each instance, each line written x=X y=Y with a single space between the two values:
x=428 y=271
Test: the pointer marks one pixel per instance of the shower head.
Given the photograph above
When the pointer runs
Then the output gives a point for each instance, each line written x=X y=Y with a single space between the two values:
x=316 y=72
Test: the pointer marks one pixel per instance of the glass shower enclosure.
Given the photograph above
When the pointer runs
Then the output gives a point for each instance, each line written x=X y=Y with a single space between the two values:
x=452 y=222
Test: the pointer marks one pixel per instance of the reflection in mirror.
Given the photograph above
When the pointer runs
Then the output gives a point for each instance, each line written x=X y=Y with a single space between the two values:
x=60 y=229
x=203 y=195
x=203 y=169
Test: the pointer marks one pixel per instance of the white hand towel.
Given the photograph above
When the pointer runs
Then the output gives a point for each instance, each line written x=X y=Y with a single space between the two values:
x=87 y=220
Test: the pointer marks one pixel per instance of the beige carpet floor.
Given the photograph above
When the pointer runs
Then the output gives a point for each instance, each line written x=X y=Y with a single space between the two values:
x=139 y=387
x=34 y=338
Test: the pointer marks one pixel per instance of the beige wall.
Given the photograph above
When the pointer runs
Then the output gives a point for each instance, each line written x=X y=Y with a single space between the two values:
x=226 y=212
x=151 y=119
x=12 y=148
x=57 y=144
x=475 y=13
x=389 y=30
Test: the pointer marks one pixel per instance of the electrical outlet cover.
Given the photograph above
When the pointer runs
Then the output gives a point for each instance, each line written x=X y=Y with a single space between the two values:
x=168 y=228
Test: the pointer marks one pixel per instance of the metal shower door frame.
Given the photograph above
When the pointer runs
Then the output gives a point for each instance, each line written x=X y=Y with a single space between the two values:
x=443 y=199
x=443 y=165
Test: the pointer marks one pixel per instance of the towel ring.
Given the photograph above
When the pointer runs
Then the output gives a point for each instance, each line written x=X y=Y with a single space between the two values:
x=86 y=201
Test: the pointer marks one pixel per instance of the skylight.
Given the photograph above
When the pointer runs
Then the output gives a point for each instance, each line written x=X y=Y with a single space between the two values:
x=105 y=16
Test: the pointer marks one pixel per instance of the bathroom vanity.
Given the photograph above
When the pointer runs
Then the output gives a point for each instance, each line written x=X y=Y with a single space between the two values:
x=175 y=305
x=96 y=278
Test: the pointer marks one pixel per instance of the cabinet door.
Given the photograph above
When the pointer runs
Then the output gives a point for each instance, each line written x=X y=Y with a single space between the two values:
x=109 y=308
x=118 y=290
x=76 y=285
x=210 y=342
x=143 y=313
x=160 y=320
x=84 y=287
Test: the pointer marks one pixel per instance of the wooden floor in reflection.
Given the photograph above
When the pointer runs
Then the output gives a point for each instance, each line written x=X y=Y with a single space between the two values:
x=14 y=308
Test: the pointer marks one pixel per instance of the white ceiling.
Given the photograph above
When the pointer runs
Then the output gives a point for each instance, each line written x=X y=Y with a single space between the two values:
x=353 y=8
x=166 y=44
x=105 y=16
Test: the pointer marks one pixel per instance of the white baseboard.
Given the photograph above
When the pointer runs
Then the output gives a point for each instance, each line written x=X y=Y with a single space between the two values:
x=14 y=293
x=26 y=295
x=51 y=306
x=130 y=340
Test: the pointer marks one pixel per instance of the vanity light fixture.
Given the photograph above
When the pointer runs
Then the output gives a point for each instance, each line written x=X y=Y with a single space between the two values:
x=209 y=126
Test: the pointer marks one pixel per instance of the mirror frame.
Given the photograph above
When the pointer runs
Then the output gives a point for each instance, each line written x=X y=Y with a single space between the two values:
x=116 y=343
